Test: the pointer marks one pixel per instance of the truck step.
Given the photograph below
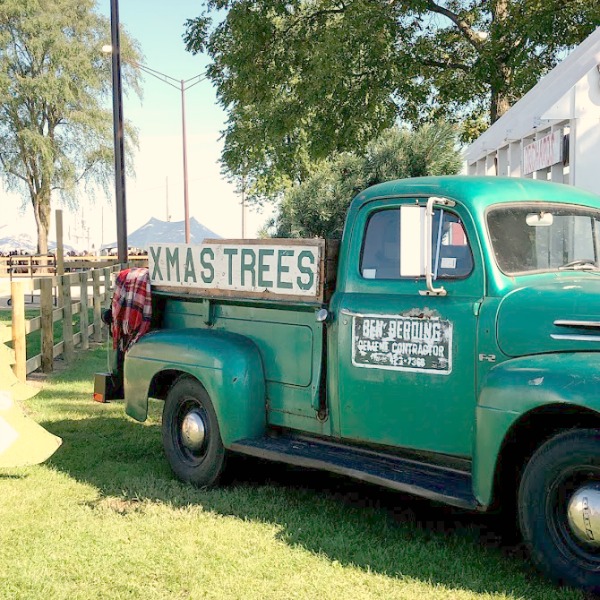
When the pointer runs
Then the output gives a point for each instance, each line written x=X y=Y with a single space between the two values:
x=442 y=484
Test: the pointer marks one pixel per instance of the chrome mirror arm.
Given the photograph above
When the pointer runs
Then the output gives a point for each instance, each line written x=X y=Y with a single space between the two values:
x=432 y=291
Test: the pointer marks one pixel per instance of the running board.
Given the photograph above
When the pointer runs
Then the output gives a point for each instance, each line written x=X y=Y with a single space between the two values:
x=421 y=479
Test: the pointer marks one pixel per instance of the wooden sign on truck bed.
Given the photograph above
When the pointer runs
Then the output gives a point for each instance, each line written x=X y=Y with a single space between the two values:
x=283 y=269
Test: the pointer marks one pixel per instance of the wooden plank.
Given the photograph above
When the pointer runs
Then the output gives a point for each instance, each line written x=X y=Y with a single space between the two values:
x=174 y=267
x=33 y=363
x=332 y=251
x=46 y=305
x=317 y=242
x=76 y=307
x=85 y=264
x=32 y=284
x=100 y=262
x=72 y=278
x=33 y=324
x=234 y=295
x=59 y=349
x=83 y=305
x=69 y=350
x=18 y=329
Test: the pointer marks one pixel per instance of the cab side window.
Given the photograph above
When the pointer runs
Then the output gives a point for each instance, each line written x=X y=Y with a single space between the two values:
x=381 y=249
x=380 y=259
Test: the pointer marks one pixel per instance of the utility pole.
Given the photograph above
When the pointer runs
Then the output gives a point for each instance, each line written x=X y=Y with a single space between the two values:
x=117 y=97
x=186 y=204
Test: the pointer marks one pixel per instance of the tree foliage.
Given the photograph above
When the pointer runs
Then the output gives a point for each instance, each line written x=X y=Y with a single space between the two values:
x=301 y=79
x=318 y=206
x=55 y=121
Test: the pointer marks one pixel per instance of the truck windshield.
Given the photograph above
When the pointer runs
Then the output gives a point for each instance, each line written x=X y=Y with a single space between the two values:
x=540 y=237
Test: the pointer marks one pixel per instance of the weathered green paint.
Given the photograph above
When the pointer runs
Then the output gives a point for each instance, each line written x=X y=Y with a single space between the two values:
x=290 y=343
x=398 y=408
x=226 y=364
x=505 y=363
x=536 y=307
x=518 y=386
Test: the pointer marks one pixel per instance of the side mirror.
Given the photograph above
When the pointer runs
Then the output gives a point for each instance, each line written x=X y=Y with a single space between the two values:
x=416 y=242
x=412 y=240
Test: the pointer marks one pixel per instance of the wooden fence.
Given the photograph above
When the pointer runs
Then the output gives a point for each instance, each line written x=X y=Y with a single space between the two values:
x=31 y=265
x=56 y=301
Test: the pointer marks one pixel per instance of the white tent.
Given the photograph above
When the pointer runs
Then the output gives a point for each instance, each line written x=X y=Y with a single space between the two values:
x=156 y=230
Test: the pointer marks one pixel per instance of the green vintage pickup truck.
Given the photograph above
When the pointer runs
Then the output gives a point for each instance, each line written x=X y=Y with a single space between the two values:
x=454 y=353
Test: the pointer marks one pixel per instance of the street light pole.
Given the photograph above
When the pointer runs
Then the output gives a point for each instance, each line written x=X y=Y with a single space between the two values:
x=117 y=93
x=186 y=204
x=183 y=85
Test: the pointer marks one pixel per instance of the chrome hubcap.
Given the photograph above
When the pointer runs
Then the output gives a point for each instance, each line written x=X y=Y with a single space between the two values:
x=193 y=431
x=583 y=513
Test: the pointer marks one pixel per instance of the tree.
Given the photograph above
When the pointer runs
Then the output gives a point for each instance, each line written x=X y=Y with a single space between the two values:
x=318 y=206
x=55 y=126
x=301 y=79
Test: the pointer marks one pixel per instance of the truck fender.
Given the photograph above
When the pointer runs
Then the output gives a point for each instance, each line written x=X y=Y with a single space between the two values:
x=521 y=392
x=228 y=365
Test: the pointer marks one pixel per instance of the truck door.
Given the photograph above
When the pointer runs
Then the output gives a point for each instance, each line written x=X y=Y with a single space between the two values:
x=406 y=361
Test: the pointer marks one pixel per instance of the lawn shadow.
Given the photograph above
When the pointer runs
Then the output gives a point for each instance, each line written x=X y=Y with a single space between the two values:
x=350 y=522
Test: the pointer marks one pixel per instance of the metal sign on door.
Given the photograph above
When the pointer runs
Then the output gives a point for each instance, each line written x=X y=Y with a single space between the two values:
x=402 y=343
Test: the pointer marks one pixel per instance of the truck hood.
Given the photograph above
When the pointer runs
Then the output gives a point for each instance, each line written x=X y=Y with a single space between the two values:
x=554 y=316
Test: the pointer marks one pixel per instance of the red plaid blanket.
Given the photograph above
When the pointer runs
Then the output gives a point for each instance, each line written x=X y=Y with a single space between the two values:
x=131 y=307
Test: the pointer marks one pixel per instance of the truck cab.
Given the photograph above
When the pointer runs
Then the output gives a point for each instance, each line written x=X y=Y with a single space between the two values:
x=451 y=353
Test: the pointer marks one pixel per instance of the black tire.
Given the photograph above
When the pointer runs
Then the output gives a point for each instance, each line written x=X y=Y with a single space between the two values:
x=555 y=472
x=200 y=466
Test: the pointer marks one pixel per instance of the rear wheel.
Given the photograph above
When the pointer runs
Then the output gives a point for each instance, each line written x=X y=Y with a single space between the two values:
x=191 y=436
x=559 y=508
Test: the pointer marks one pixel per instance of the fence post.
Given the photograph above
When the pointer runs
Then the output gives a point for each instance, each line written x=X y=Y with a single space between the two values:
x=97 y=305
x=47 y=322
x=60 y=255
x=69 y=348
x=18 y=329
x=84 y=320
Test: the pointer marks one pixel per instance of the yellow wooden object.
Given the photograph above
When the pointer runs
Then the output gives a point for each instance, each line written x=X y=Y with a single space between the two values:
x=22 y=441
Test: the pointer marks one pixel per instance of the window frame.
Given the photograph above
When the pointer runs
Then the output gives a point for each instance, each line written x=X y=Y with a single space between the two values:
x=413 y=277
x=534 y=205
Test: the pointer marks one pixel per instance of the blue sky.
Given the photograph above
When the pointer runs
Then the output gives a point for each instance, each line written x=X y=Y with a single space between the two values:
x=158 y=27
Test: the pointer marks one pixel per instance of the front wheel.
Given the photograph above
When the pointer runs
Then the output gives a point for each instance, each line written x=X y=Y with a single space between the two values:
x=191 y=436
x=559 y=508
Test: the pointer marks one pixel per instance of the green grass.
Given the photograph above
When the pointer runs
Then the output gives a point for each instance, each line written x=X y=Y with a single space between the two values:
x=104 y=518
x=34 y=339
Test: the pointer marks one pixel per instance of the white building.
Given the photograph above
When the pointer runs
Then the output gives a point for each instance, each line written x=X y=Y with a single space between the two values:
x=553 y=132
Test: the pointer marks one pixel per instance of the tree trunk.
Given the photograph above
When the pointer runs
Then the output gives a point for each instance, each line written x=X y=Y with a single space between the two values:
x=41 y=210
x=502 y=73
x=500 y=101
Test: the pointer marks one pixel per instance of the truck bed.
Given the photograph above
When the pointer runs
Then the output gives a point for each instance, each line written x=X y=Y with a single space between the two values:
x=289 y=339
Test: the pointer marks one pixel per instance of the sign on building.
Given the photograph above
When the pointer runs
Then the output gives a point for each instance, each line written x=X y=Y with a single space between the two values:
x=542 y=153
